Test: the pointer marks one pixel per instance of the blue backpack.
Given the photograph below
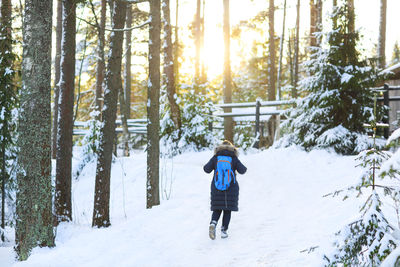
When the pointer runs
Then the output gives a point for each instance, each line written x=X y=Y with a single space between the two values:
x=224 y=173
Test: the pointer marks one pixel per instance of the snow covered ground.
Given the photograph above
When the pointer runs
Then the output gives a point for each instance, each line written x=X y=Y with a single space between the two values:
x=281 y=212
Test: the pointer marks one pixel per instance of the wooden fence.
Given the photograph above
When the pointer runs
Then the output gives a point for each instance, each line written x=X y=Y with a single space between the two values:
x=257 y=113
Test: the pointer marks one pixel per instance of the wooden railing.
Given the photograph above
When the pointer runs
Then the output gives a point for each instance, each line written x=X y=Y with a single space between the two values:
x=257 y=112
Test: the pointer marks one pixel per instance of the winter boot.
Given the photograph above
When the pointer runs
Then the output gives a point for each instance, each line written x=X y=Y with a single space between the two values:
x=211 y=230
x=224 y=234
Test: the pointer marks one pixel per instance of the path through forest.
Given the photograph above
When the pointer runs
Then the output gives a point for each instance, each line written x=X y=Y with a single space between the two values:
x=281 y=212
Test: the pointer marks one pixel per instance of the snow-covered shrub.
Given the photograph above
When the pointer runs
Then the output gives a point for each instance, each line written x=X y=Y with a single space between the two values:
x=195 y=116
x=338 y=99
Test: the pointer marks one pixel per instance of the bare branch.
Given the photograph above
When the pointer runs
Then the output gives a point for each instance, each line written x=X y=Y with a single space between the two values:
x=117 y=30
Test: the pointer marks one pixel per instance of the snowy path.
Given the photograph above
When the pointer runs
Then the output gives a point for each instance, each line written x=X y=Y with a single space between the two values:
x=281 y=212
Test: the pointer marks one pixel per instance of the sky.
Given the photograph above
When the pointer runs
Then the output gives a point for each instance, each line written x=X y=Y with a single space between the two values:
x=367 y=20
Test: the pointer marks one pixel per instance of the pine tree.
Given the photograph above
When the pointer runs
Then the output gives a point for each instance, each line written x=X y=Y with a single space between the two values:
x=63 y=204
x=113 y=83
x=339 y=99
x=153 y=108
x=34 y=223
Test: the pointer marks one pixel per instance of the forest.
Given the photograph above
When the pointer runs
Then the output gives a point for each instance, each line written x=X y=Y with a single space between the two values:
x=109 y=110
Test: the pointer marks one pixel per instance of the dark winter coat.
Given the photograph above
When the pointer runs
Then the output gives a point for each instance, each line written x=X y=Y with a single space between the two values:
x=225 y=200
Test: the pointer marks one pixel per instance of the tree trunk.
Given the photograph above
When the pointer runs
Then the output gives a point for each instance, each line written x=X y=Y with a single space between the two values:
x=334 y=18
x=113 y=85
x=125 y=101
x=125 y=131
x=227 y=82
x=153 y=107
x=382 y=35
x=6 y=98
x=203 y=74
x=127 y=78
x=282 y=41
x=169 y=76
x=34 y=198
x=65 y=113
x=271 y=59
x=176 y=46
x=57 y=78
x=296 y=52
x=351 y=16
x=318 y=24
x=313 y=22
x=100 y=67
x=197 y=36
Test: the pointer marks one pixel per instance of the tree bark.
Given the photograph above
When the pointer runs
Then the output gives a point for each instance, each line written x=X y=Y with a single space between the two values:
x=127 y=70
x=296 y=52
x=100 y=67
x=282 y=41
x=271 y=61
x=34 y=224
x=113 y=85
x=153 y=107
x=57 y=78
x=382 y=35
x=227 y=82
x=65 y=113
x=125 y=95
x=351 y=16
x=6 y=98
x=318 y=24
x=313 y=22
x=169 y=76
x=203 y=74
x=176 y=46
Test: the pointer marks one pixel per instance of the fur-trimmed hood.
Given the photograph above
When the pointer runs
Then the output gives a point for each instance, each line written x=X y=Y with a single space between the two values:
x=226 y=147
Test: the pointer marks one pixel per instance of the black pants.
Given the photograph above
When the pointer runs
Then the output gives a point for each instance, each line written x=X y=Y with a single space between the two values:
x=225 y=219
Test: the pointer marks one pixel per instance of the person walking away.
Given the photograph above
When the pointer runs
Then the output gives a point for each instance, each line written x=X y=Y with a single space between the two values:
x=224 y=185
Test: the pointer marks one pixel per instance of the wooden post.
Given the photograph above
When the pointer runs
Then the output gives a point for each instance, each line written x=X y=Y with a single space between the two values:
x=386 y=103
x=257 y=128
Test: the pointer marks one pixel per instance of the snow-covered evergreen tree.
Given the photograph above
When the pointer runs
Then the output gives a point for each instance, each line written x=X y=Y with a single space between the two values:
x=338 y=97
x=369 y=239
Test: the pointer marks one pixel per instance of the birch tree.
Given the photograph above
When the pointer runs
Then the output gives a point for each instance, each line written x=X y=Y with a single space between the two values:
x=153 y=108
x=113 y=85
x=65 y=114
x=34 y=223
